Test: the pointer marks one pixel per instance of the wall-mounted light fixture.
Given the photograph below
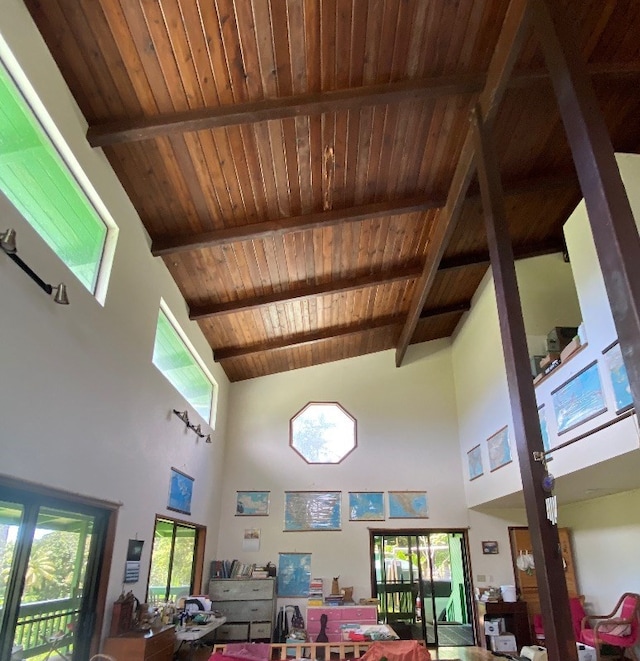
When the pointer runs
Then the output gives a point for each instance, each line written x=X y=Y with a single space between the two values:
x=8 y=245
x=184 y=416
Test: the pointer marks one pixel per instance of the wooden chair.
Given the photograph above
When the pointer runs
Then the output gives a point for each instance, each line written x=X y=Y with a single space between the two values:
x=618 y=629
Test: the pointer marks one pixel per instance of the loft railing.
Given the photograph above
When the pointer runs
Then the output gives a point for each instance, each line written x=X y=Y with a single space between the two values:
x=41 y=622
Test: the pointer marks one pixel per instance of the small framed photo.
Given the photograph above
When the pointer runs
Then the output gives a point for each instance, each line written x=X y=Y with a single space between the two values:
x=490 y=548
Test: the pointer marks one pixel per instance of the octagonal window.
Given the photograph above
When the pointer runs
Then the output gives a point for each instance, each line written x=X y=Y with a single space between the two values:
x=323 y=433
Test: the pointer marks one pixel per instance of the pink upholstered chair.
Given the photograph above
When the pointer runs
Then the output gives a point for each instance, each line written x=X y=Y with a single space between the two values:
x=577 y=616
x=618 y=629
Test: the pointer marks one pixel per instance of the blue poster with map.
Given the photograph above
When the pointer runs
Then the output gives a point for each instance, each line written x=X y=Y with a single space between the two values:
x=294 y=574
x=408 y=505
x=312 y=510
x=366 y=506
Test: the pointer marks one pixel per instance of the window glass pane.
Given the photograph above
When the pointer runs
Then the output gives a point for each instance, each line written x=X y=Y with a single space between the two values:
x=38 y=183
x=172 y=357
x=160 y=562
x=183 y=555
x=10 y=520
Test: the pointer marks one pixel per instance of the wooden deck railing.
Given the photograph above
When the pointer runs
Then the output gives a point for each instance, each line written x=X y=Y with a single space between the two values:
x=41 y=620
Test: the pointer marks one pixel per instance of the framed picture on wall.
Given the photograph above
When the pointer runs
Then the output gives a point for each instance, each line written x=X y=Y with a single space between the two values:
x=180 y=492
x=490 y=548
x=474 y=460
x=252 y=503
x=499 y=449
x=579 y=399
x=366 y=506
x=408 y=505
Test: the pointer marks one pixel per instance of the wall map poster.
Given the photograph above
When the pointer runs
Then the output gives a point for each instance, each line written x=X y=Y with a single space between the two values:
x=312 y=510
x=294 y=574
x=408 y=505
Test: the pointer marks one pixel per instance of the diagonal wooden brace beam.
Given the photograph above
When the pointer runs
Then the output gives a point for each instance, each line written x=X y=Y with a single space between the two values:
x=513 y=33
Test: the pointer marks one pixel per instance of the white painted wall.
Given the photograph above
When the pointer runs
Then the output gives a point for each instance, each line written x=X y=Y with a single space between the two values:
x=407 y=440
x=82 y=407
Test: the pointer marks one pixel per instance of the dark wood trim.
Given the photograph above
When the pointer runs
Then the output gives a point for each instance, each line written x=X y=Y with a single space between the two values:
x=265 y=228
x=306 y=338
x=552 y=587
x=513 y=33
x=186 y=242
x=131 y=130
x=464 y=306
x=312 y=291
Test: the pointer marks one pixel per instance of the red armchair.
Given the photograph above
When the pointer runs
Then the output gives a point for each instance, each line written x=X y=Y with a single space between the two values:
x=577 y=616
x=618 y=629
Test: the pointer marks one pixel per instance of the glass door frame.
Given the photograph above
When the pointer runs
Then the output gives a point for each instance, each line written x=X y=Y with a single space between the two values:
x=31 y=497
x=466 y=562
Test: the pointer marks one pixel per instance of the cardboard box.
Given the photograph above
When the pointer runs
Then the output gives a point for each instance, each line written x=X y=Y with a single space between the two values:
x=549 y=358
x=494 y=627
x=572 y=347
x=586 y=653
x=560 y=336
x=505 y=642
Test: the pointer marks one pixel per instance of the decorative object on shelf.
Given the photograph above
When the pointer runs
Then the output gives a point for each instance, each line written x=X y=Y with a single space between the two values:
x=180 y=492
x=490 y=548
x=184 y=416
x=499 y=449
x=9 y=247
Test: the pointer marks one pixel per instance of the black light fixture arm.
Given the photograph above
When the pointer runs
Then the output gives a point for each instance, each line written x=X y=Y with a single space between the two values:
x=8 y=246
x=31 y=273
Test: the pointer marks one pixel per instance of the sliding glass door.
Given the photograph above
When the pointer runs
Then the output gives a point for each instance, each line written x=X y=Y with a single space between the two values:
x=422 y=581
x=50 y=555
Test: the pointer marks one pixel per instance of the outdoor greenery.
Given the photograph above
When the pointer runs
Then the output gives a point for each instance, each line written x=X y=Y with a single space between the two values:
x=50 y=574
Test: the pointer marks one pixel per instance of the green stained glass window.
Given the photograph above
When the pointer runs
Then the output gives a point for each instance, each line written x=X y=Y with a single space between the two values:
x=174 y=359
x=38 y=182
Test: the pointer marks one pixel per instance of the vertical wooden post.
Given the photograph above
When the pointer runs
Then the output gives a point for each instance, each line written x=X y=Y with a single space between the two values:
x=614 y=230
x=552 y=587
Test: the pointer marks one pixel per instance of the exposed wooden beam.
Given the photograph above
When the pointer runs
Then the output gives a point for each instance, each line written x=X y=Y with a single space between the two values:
x=263 y=229
x=389 y=323
x=186 y=242
x=361 y=282
x=514 y=31
x=483 y=258
x=524 y=409
x=305 y=339
x=429 y=313
x=302 y=293
x=131 y=130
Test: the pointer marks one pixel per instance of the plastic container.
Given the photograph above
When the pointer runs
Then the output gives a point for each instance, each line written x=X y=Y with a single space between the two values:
x=508 y=593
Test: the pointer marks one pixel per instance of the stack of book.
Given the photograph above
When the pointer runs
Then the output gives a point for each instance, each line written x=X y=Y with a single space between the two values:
x=259 y=571
x=230 y=569
x=334 y=600
x=316 y=592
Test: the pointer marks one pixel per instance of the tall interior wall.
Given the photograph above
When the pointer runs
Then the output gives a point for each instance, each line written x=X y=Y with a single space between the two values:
x=407 y=440
x=83 y=408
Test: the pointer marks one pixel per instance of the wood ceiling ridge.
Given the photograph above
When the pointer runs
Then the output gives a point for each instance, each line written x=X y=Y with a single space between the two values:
x=113 y=132
x=269 y=228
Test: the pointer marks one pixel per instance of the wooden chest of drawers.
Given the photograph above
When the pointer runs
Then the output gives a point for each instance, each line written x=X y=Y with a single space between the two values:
x=248 y=604
x=154 y=645
x=336 y=617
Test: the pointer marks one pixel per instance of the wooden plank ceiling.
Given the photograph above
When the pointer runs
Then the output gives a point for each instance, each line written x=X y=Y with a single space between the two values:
x=290 y=158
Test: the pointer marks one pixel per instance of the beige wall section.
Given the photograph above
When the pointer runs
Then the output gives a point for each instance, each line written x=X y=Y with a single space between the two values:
x=82 y=407
x=407 y=440
x=606 y=534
